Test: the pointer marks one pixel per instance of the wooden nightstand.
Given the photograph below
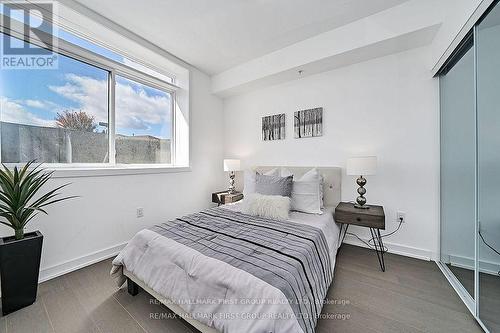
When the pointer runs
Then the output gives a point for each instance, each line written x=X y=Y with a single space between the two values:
x=373 y=218
x=223 y=197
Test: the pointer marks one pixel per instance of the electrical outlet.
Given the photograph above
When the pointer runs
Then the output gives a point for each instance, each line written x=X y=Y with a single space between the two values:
x=140 y=212
x=401 y=217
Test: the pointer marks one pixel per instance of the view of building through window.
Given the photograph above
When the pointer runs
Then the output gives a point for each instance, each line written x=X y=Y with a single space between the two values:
x=61 y=116
x=143 y=123
x=54 y=115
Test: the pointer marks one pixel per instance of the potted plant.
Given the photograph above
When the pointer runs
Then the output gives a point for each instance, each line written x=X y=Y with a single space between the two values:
x=20 y=202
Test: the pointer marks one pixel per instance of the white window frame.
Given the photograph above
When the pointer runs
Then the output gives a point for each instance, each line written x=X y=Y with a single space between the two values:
x=113 y=68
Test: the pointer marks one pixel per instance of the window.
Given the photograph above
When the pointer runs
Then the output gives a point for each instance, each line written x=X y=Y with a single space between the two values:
x=106 y=52
x=143 y=123
x=54 y=115
x=97 y=107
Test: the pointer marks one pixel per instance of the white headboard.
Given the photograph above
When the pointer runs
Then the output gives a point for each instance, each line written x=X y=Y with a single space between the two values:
x=332 y=177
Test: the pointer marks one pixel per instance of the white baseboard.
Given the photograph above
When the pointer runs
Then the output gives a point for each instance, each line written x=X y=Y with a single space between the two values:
x=77 y=263
x=403 y=250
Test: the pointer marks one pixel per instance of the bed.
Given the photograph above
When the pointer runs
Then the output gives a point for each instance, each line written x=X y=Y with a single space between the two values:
x=224 y=271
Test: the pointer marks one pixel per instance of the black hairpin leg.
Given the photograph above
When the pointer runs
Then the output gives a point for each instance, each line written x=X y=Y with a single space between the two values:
x=379 y=247
x=340 y=234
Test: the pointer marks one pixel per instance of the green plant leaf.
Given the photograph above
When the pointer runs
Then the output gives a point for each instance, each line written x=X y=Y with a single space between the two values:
x=18 y=188
x=7 y=171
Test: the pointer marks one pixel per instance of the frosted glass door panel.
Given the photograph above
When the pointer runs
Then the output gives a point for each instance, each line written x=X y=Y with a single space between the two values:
x=458 y=151
x=488 y=113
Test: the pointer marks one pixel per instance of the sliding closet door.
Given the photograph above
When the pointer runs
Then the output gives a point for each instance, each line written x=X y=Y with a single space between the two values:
x=458 y=167
x=488 y=117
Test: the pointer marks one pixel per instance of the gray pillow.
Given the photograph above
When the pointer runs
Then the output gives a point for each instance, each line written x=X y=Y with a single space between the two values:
x=274 y=185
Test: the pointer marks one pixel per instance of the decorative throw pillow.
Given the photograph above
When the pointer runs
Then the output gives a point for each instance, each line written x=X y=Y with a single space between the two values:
x=313 y=175
x=272 y=172
x=269 y=206
x=249 y=182
x=284 y=172
x=307 y=193
x=274 y=185
x=249 y=179
x=306 y=197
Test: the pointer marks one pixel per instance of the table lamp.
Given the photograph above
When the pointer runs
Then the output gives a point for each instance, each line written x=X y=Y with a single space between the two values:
x=361 y=166
x=231 y=165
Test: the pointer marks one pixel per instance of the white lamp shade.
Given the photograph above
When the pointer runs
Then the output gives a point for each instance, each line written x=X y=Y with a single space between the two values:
x=361 y=166
x=232 y=165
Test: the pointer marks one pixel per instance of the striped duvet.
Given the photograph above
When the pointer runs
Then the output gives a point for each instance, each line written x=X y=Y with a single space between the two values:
x=267 y=275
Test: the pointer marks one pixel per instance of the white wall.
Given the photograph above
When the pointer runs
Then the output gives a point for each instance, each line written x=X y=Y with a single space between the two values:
x=387 y=107
x=98 y=223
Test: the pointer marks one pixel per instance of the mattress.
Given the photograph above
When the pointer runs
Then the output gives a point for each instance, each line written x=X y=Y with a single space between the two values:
x=236 y=272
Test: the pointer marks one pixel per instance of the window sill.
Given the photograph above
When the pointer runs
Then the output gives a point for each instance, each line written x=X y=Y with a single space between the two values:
x=75 y=172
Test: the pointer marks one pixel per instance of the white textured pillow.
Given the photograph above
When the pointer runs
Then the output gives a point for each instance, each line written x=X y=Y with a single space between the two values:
x=284 y=172
x=306 y=197
x=310 y=175
x=250 y=179
x=314 y=176
x=272 y=172
x=269 y=206
x=249 y=182
x=307 y=192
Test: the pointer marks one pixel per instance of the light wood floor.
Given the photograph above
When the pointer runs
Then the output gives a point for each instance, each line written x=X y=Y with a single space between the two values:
x=411 y=296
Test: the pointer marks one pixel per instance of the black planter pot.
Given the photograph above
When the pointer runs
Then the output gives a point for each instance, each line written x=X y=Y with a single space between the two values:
x=19 y=269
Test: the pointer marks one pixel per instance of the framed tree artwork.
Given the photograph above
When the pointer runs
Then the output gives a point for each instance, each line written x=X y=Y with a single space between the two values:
x=273 y=127
x=308 y=123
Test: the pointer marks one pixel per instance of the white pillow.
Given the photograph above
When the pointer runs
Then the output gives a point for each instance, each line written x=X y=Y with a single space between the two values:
x=314 y=175
x=270 y=206
x=284 y=172
x=304 y=196
x=272 y=172
x=250 y=181
x=310 y=175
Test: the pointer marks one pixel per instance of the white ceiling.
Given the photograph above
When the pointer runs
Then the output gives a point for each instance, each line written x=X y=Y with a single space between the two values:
x=215 y=35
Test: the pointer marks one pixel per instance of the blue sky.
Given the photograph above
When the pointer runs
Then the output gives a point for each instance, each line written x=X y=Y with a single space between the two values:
x=34 y=96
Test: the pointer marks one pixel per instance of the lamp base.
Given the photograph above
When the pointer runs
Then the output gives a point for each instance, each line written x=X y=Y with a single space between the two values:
x=361 y=200
x=231 y=188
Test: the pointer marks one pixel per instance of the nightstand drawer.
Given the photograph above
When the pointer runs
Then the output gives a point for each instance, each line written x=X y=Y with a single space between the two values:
x=359 y=219
x=229 y=198
x=372 y=217
x=223 y=197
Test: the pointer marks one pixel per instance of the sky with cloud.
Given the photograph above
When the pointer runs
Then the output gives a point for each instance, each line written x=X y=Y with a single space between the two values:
x=35 y=96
